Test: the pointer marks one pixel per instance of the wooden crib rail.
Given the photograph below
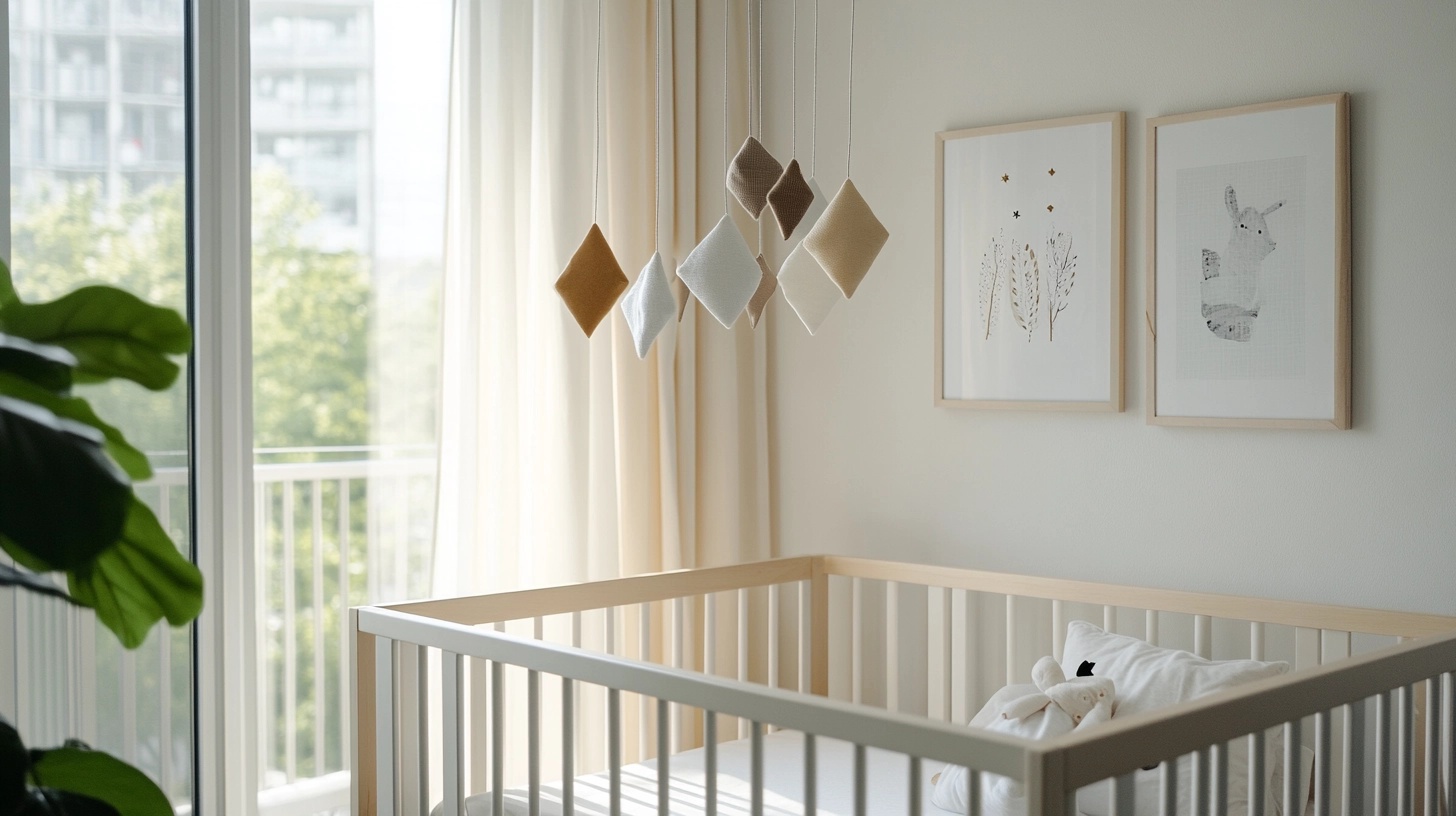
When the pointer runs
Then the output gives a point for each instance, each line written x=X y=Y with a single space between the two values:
x=1260 y=610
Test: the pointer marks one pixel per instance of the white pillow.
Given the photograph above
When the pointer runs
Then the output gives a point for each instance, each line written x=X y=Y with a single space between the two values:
x=1149 y=678
x=1000 y=796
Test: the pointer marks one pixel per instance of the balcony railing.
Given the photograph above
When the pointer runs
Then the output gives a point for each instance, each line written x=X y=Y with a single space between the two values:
x=328 y=535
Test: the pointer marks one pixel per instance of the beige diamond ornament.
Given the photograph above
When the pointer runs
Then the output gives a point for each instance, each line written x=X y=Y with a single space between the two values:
x=649 y=305
x=790 y=198
x=751 y=174
x=592 y=281
x=721 y=272
x=807 y=288
x=847 y=239
x=761 y=296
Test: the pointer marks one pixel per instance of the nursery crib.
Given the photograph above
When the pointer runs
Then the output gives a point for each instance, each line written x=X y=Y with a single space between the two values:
x=827 y=684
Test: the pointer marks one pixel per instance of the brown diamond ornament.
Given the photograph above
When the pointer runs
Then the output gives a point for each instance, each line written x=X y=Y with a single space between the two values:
x=592 y=281
x=763 y=294
x=847 y=239
x=751 y=174
x=790 y=198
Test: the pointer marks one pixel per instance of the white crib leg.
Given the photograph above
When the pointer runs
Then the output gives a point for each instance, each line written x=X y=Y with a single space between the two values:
x=710 y=762
x=664 y=771
x=1382 y=753
x=811 y=775
x=384 y=714
x=614 y=750
x=756 y=772
x=568 y=746
x=859 y=780
x=914 y=786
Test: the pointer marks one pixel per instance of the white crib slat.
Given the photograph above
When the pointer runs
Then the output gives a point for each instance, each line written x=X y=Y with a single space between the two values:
x=1203 y=636
x=421 y=781
x=973 y=792
x=1382 y=753
x=742 y=637
x=1306 y=648
x=773 y=636
x=384 y=724
x=453 y=711
x=664 y=770
x=1334 y=646
x=1293 y=798
x=1059 y=630
x=1257 y=781
x=1109 y=618
x=811 y=775
x=1448 y=690
x=1405 y=750
x=1122 y=796
x=1353 y=772
x=533 y=741
x=644 y=653
x=710 y=633
x=1219 y=780
x=679 y=650
x=1150 y=626
x=803 y=636
x=614 y=751
x=576 y=629
x=497 y=735
x=1200 y=792
x=1256 y=641
x=937 y=668
x=756 y=772
x=710 y=762
x=1010 y=639
x=568 y=746
x=960 y=682
x=892 y=646
x=1167 y=788
x=1322 y=745
x=859 y=780
x=1433 y=748
x=609 y=630
x=856 y=641
x=914 y=786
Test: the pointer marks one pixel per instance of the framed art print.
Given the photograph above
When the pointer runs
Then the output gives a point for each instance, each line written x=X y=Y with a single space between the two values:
x=1249 y=266
x=1029 y=265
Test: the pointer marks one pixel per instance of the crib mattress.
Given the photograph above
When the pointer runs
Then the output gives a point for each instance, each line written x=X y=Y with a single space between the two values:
x=887 y=783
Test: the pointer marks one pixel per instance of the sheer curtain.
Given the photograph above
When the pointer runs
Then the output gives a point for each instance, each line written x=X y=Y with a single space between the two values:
x=563 y=458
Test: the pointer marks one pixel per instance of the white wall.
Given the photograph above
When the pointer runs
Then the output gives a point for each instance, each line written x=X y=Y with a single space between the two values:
x=865 y=464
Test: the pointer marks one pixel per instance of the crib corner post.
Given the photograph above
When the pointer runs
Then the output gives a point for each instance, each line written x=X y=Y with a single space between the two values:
x=363 y=788
x=1046 y=793
x=819 y=627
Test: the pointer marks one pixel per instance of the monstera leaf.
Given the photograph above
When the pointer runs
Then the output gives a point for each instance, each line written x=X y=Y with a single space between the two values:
x=72 y=781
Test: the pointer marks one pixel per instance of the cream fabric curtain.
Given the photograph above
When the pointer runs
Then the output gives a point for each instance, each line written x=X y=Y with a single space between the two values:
x=562 y=458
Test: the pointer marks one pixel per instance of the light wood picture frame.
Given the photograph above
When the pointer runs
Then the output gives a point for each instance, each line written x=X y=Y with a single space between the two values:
x=1248 y=230
x=1029 y=257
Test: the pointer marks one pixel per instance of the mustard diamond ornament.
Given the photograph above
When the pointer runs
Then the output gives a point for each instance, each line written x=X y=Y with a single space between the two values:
x=592 y=281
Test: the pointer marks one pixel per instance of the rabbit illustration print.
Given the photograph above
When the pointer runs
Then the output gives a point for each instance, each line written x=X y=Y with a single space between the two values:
x=1232 y=280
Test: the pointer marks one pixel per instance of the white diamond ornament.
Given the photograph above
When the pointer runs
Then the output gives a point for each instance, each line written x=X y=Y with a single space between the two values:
x=811 y=216
x=721 y=272
x=649 y=305
x=807 y=288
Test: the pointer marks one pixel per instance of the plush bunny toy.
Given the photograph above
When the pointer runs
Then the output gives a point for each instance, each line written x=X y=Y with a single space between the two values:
x=1088 y=700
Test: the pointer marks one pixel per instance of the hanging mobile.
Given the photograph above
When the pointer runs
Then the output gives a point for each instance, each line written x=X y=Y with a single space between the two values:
x=593 y=280
x=791 y=195
x=767 y=281
x=848 y=237
x=807 y=287
x=720 y=271
x=649 y=304
x=754 y=170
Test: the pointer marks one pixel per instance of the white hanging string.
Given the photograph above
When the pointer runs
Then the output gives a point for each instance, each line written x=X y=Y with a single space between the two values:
x=794 y=52
x=814 y=95
x=759 y=224
x=657 y=133
x=849 y=114
x=727 y=4
x=597 y=123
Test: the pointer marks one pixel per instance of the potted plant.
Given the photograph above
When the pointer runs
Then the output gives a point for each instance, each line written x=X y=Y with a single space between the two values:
x=67 y=508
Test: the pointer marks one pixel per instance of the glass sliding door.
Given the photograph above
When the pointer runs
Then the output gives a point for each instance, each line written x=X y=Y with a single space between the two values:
x=97 y=195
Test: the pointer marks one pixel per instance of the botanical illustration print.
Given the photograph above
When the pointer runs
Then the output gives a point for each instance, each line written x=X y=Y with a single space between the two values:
x=1061 y=271
x=1025 y=289
x=993 y=278
x=1035 y=293
x=1231 y=282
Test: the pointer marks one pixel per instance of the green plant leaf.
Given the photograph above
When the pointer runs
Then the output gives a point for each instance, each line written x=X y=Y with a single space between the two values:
x=11 y=576
x=140 y=581
x=51 y=802
x=47 y=366
x=7 y=286
x=131 y=460
x=14 y=763
x=64 y=500
x=112 y=333
x=101 y=776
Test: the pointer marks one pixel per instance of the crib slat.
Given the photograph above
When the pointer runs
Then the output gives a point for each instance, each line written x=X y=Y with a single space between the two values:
x=1292 y=793
x=742 y=636
x=710 y=762
x=973 y=792
x=1010 y=639
x=664 y=770
x=914 y=786
x=960 y=682
x=422 y=728
x=1150 y=626
x=1122 y=796
x=773 y=636
x=892 y=646
x=1256 y=641
x=710 y=633
x=453 y=708
x=860 y=802
x=644 y=653
x=1218 y=802
x=384 y=724
x=811 y=775
x=679 y=652
x=805 y=626
x=1353 y=773
x=937 y=668
x=1201 y=789
x=1433 y=748
x=1448 y=686
x=756 y=771
x=1382 y=753
x=1322 y=745
x=1167 y=788
x=1405 y=750
x=1203 y=636
x=568 y=746
x=614 y=751
x=1059 y=630
x=533 y=741
x=1109 y=618
x=1306 y=648
x=1257 y=781
x=497 y=735
x=856 y=641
